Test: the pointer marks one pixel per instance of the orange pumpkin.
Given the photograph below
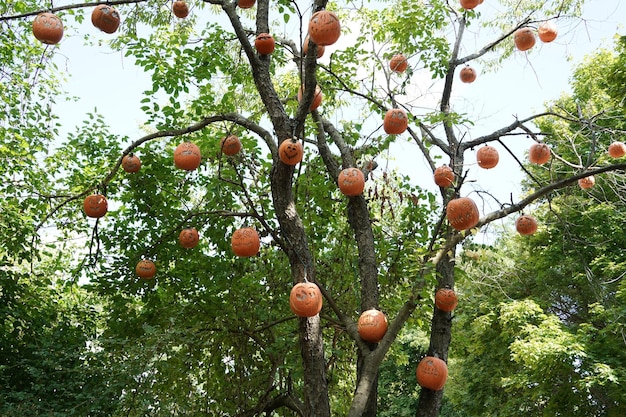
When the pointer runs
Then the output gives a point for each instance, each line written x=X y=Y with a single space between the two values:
x=48 y=28
x=351 y=182
x=246 y=4
x=305 y=299
x=617 y=149
x=290 y=151
x=462 y=213
x=547 y=31
x=524 y=39
x=372 y=325
x=587 y=182
x=230 y=145
x=526 y=225
x=444 y=176
x=317 y=97
x=245 y=242
x=187 y=156
x=189 y=237
x=469 y=4
x=180 y=9
x=131 y=163
x=264 y=43
x=145 y=269
x=432 y=373
x=539 y=153
x=395 y=121
x=446 y=299
x=95 y=206
x=324 y=28
x=398 y=63
x=105 y=18
x=487 y=157
x=467 y=74
x=305 y=47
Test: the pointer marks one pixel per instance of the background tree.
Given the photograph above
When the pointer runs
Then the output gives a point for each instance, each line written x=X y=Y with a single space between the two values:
x=211 y=334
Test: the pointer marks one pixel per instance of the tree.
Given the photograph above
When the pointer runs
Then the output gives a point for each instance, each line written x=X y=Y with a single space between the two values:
x=210 y=333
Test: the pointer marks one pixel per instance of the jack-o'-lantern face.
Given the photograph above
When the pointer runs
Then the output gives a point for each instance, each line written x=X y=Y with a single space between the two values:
x=290 y=152
x=305 y=299
x=351 y=182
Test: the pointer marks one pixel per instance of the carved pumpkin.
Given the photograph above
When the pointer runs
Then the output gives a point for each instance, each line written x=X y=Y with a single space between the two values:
x=526 y=225
x=131 y=163
x=317 y=97
x=305 y=299
x=487 y=157
x=245 y=242
x=264 y=43
x=290 y=151
x=105 y=18
x=617 y=149
x=395 y=122
x=230 y=145
x=446 y=299
x=95 y=206
x=539 y=153
x=145 y=269
x=48 y=28
x=246 y=4
x=524 y=39
x=372 y=325
x=189 y=237
x=462 y=213
x=467 y=74
x=187 y=156
x=324 y=28
x=587 y=182
x=398 y=63
x=444 y=176
x=432 y=373
x=547 y=31
x=469 y=4
x=351 y=182
x=305 y=47
x=180 y=9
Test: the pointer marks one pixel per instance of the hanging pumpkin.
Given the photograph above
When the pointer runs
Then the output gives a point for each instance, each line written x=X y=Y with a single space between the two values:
x=487 y=157
x=48 y=28
x=372 y=325
x=246 y=4
x=469 y=4
x=187 y=156
x=462 y=213
x=305 y=299
x=432 y=373
x=547 y=31
x=189 y=237
x=467 y=74
x=395 y=122
x=245 y=242
x=351 y=182
x=587 y=182
x=264 y=43
x=95 y=206
x=290 y=151
x=317 y=97
x=105 y=18
x=524 y=39
x=305 y=47
x=539 y=153
x=617 y=149
x=180 y=9
x=398 y=63
x=446 y=299
x=230 y=145
x=444 y=176
x=131 y=163
x=526 y=225
x=324 y=28
x=145 y=269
